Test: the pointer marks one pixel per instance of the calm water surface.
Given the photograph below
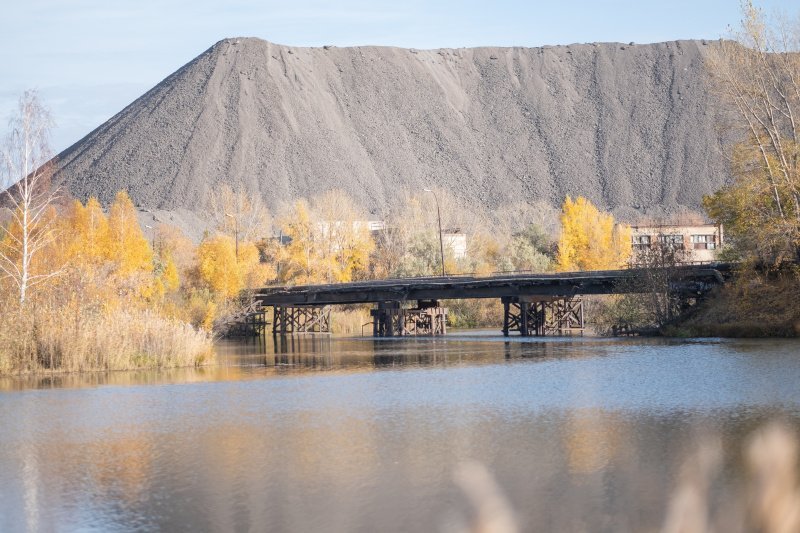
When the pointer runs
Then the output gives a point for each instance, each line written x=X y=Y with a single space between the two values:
x=320 y=434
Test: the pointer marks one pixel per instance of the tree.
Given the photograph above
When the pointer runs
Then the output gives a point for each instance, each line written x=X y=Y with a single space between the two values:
x=590 y=240
x=409 y=243
x=758 y=76
x=328 y=240
x=344 y=237
x=171 y=243
x=647 y=301
x=129 y=247
x=226 y=276
x=26 y=175
x=300 y=258
x=88 y=240
x=239 y=213
x=529 y=249
x=216 y=264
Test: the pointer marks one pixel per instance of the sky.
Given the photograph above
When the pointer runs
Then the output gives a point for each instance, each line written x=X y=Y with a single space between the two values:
x=90 y=58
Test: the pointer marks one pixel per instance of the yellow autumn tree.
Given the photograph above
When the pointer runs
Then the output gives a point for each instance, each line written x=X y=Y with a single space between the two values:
x=86 y=235
x=129 y=247
x=130 y=252
x=25 y=269
x=590 y=240
x=329 y=241
x=170 y=276
x=171 y=242
x=223 y=273
x=107 y=257
x=253 y=273
x=84 y=249
x=345 y=242
x=216 y=266
x=301 y=259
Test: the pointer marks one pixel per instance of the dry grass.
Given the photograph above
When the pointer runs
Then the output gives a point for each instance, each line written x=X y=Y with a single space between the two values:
x=770 y=503
x=43 y=340
x=479 y=313
x=350 y=321
x=754 y=305
x=772 y=491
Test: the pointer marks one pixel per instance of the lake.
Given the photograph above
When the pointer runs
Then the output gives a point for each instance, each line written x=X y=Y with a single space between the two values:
x=313 y=433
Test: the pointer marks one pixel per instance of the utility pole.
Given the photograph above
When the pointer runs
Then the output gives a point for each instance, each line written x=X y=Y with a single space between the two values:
x=439 y=218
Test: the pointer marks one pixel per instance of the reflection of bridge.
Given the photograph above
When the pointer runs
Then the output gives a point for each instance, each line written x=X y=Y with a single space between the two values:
x=534 y=304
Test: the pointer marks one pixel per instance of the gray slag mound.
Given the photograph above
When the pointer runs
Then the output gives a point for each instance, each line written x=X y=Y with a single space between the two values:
x=630 y=127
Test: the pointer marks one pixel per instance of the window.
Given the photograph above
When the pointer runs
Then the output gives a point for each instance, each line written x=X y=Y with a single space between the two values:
x=641 y=242
x=704 y=242
x=672 y=241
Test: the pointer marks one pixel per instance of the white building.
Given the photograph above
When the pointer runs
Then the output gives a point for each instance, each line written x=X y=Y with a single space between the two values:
x=701 y=242
x=456 y=242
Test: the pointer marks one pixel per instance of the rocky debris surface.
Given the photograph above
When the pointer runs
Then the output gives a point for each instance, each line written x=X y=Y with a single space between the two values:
x=631 y=127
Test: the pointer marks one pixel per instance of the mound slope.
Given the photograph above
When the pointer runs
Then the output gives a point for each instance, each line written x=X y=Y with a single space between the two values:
x=629 y=126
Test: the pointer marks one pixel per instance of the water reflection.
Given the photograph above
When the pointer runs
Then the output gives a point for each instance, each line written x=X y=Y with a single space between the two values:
x=273 y=356
x=331 y=434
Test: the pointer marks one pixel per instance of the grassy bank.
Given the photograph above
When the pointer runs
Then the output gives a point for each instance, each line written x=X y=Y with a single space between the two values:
x=752 y=305
x=44 y=340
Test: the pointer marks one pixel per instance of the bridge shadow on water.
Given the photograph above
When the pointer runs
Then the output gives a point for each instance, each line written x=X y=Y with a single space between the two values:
x=266 y=356
x=320 y=352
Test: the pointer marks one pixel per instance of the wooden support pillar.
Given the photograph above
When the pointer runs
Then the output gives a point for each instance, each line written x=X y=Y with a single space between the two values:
x=301 y=319
x=506 y=319
x=524 y=316
x=390 y=319
x=539 y=316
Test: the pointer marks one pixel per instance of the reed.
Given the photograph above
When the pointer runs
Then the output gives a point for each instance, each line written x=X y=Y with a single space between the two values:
x=40 y=340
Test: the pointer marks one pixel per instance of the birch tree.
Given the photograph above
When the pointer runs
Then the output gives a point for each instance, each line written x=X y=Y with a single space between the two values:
x=238 y=212
x=758 y=75
x=29 y=193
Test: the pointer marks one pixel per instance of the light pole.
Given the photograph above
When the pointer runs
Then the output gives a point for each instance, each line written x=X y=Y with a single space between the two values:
x=439 y=218
x=235 y=233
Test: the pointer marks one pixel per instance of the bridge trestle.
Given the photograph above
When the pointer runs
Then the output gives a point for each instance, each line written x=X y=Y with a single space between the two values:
x=301 y=319
x=390 y=319
x=537 y=316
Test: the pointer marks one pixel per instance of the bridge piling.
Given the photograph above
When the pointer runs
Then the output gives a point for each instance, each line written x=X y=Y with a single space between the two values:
x=301 y=319
x=390 y=319
x=537 y=316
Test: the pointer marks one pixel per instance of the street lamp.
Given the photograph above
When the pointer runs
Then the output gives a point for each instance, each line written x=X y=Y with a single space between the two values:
x=235 y=233
x=439 y=218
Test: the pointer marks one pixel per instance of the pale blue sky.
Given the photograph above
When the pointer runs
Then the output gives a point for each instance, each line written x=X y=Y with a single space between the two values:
x=90 y=58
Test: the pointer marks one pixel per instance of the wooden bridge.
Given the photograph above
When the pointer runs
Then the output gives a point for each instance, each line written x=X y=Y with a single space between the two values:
x=534 y=304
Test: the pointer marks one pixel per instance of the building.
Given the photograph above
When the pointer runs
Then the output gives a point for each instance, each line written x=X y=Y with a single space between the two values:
x=699 y=242
x=456 y=242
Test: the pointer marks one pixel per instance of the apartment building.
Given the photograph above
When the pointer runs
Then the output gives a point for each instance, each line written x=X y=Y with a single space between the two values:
x=699 y=242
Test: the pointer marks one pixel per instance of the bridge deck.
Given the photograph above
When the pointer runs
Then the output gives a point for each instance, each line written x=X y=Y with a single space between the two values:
x=691 y=278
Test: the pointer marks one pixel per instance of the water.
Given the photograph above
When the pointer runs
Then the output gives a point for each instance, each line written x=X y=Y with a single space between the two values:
x=321 y=434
